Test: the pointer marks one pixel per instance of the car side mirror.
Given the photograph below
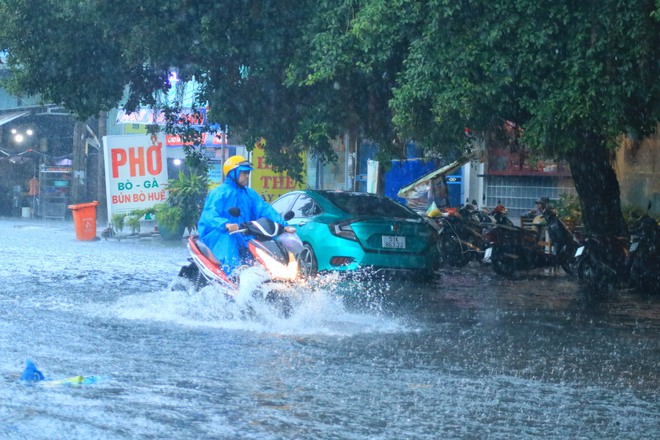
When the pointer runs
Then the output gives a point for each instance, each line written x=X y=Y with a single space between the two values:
x=234 y=212
x=289 y=215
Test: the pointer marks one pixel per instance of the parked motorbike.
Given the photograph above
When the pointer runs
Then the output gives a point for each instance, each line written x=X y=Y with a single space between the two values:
x=644 y=257
x=500 y=215
x=460 y=237
x=271 y=267
x=603 y=261
x=513 y=248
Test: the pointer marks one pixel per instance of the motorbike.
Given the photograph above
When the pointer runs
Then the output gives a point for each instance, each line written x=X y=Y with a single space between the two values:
x=269 y=272
x=513 y=248
x=603 y=261
x=462 y=232
x=500 y=215
x=460 y=235
x=644 y=257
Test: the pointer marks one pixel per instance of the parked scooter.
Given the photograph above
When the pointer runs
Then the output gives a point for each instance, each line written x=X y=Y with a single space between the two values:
x=603 y=261
x=272 y=270
x=460 y=237
x=644 y=258
x=512 y=248
x=500 y=215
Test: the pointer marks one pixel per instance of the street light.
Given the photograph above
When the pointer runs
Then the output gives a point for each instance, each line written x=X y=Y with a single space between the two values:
x=19 y=137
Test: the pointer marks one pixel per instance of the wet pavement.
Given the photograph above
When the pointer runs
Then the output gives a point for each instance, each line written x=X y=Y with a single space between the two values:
x=471 y=355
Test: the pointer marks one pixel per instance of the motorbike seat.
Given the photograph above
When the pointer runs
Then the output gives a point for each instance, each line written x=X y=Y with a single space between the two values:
x=206 y=251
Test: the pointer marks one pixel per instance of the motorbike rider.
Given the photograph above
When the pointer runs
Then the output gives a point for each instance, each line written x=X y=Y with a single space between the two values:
x=216 y=223
x=537 y=214
x=542 y=203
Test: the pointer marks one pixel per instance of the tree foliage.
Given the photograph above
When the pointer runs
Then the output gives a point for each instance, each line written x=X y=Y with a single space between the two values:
x=92 y=55
x=573 y=75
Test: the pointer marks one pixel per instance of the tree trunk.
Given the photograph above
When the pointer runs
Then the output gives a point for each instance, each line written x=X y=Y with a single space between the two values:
x=597 y=187
x=78 y=186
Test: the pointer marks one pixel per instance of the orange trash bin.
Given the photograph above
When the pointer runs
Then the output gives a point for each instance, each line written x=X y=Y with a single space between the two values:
x=84 y=219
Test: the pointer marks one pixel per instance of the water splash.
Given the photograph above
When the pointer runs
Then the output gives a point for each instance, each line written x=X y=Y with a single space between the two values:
x=326 y=306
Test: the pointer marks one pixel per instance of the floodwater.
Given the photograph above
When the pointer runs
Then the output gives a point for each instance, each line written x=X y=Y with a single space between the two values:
x=471 y=356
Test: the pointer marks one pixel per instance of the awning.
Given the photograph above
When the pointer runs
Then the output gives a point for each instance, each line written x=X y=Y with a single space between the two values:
x=8 y=117
x=407 y=191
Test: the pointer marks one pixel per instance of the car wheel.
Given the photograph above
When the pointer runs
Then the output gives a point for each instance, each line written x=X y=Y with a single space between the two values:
x=307 y=264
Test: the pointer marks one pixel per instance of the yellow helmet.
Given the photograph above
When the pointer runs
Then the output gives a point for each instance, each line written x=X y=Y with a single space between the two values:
x=236 y=162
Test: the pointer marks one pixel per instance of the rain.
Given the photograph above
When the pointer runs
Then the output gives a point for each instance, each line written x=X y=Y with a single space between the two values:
x=359 y=358
x=116 y=121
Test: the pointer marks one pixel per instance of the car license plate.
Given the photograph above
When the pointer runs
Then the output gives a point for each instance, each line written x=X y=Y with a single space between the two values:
x=393 y=241
x=579 y=251
x=488 y=254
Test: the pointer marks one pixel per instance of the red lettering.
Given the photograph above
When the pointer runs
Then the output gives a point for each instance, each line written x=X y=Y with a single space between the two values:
x=136 y=161
x=121 y=198
x=277 y=182
x=118 y=159
x=265 y=181
x=154 y=159
x=156 y=196
x=261 y=164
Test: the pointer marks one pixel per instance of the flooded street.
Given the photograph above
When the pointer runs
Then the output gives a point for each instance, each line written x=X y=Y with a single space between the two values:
x=471 y=356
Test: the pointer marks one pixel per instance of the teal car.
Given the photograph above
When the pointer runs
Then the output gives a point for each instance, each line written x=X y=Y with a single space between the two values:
x=345 y=231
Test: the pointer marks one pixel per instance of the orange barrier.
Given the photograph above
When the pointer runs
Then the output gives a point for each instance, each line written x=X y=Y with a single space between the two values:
x=84 y=219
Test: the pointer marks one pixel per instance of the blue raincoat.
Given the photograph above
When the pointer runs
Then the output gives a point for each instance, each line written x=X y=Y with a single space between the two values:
x=215 y=216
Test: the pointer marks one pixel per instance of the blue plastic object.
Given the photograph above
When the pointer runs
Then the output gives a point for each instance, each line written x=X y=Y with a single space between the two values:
x=31 y=374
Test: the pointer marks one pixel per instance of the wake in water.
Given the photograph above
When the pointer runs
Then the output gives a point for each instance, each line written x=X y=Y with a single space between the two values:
x=326 y=306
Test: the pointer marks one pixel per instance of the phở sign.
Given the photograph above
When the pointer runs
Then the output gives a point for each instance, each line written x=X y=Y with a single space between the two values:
x=135 y=172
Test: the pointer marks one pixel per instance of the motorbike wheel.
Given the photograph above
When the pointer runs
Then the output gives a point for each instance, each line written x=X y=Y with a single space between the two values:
x=502 y=264
x=307 y=264
x=643 y=277
x=191 y=273
x=451 y=252
x=281 y=304
x=594 y=275
x=570 y=263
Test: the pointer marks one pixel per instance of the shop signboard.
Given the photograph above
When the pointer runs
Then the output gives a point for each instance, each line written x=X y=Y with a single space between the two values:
x=195 y=117
x=135 y=172
x=269 y=184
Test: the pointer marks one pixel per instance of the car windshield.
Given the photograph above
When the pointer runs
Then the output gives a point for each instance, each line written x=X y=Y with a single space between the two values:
x=368 y=205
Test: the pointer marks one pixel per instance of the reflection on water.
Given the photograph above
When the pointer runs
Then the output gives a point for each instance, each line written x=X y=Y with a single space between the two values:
x=470 y=356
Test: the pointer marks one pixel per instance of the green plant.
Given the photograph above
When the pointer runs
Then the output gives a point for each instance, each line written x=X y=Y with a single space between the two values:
x=631 y=214
x=133 y=221
x=187 y=193
x=169 y=219
x=117 y=222
x=568 y=208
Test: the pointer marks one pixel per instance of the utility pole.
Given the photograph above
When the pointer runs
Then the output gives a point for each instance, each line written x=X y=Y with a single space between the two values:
x=102 y=211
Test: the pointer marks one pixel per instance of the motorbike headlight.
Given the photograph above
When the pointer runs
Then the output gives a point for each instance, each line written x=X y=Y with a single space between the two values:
x=276 y=269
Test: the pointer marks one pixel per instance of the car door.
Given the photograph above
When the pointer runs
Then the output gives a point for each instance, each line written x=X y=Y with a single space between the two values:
x=305 y=209
x=283 y=203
